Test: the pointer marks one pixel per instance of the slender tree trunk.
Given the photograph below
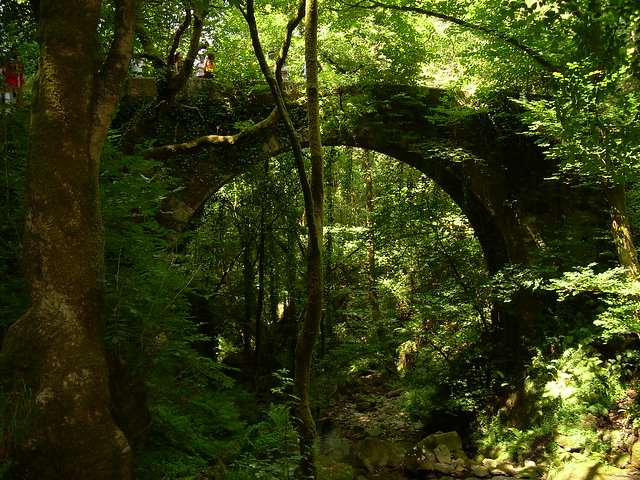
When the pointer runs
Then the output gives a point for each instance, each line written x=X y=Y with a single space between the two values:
x=326 y=328
x=257 y=356
x=313 y=193
x=249 y=299
x=371 y=247
x=55 y=350
x=621 y=231
x=315 y=285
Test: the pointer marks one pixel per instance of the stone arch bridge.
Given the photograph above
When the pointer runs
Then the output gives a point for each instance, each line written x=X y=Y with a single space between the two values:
x=480 y=157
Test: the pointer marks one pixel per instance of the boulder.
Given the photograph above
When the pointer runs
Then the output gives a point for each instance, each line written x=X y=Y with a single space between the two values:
x=442 y=453
x=418 y=460
x=335 y=446
x=373 y=453
x=635 y=455
x=449 y=439
x=364 y=403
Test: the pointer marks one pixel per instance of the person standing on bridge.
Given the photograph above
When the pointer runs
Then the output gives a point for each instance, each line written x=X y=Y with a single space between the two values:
x=5 y=95
x=200 y=66
x=14 y=78
x=272 y=61
x=209 y=66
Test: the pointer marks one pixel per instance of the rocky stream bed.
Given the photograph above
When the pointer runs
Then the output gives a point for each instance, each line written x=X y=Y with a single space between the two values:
x=367 y=436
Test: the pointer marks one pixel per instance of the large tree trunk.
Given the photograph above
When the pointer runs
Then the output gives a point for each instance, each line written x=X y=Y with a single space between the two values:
x=55 y=350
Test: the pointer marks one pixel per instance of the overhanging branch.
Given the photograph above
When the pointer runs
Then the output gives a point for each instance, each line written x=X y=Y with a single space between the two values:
x=170 y=151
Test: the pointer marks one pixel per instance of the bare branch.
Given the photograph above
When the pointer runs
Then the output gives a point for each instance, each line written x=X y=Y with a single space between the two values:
x=178 y=35
x=112 y=76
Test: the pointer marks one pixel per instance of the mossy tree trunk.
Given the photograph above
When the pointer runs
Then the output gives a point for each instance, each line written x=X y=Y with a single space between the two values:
x=315 y=282
x=55 y=349
x=621 y=231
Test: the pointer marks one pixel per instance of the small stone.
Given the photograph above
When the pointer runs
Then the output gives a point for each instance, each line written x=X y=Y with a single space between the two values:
x=528 y=474
x=459 y=454
x=622 y=460
x=489 y=463
x=374 y=431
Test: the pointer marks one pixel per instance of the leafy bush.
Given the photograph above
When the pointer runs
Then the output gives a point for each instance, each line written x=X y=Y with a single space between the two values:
x=619 y=313
x=190 y=433
x=270 y=448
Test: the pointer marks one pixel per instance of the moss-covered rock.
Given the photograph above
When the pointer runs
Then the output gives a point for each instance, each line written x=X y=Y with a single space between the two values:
x=373 y=453
x=451 y=440
x=330 y=469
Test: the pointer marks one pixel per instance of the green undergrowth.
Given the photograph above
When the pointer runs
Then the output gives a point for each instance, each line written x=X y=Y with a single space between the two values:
x=217 y=433
x=575 y=403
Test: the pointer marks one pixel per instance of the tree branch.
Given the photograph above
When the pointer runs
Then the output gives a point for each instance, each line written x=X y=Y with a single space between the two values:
x=170 y=151
x=176 y=38
x=113 y=74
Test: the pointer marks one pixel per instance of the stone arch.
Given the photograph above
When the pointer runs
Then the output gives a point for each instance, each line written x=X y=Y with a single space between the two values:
x=496 y=175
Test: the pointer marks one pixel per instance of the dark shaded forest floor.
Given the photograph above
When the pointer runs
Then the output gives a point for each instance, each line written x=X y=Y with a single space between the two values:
x=370 y=410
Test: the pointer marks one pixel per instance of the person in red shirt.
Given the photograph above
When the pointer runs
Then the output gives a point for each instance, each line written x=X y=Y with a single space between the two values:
x=14 y=77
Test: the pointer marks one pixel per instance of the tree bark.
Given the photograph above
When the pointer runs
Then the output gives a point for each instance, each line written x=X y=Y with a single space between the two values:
x=55 y=350
x=621 y=230
x=257 y=357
